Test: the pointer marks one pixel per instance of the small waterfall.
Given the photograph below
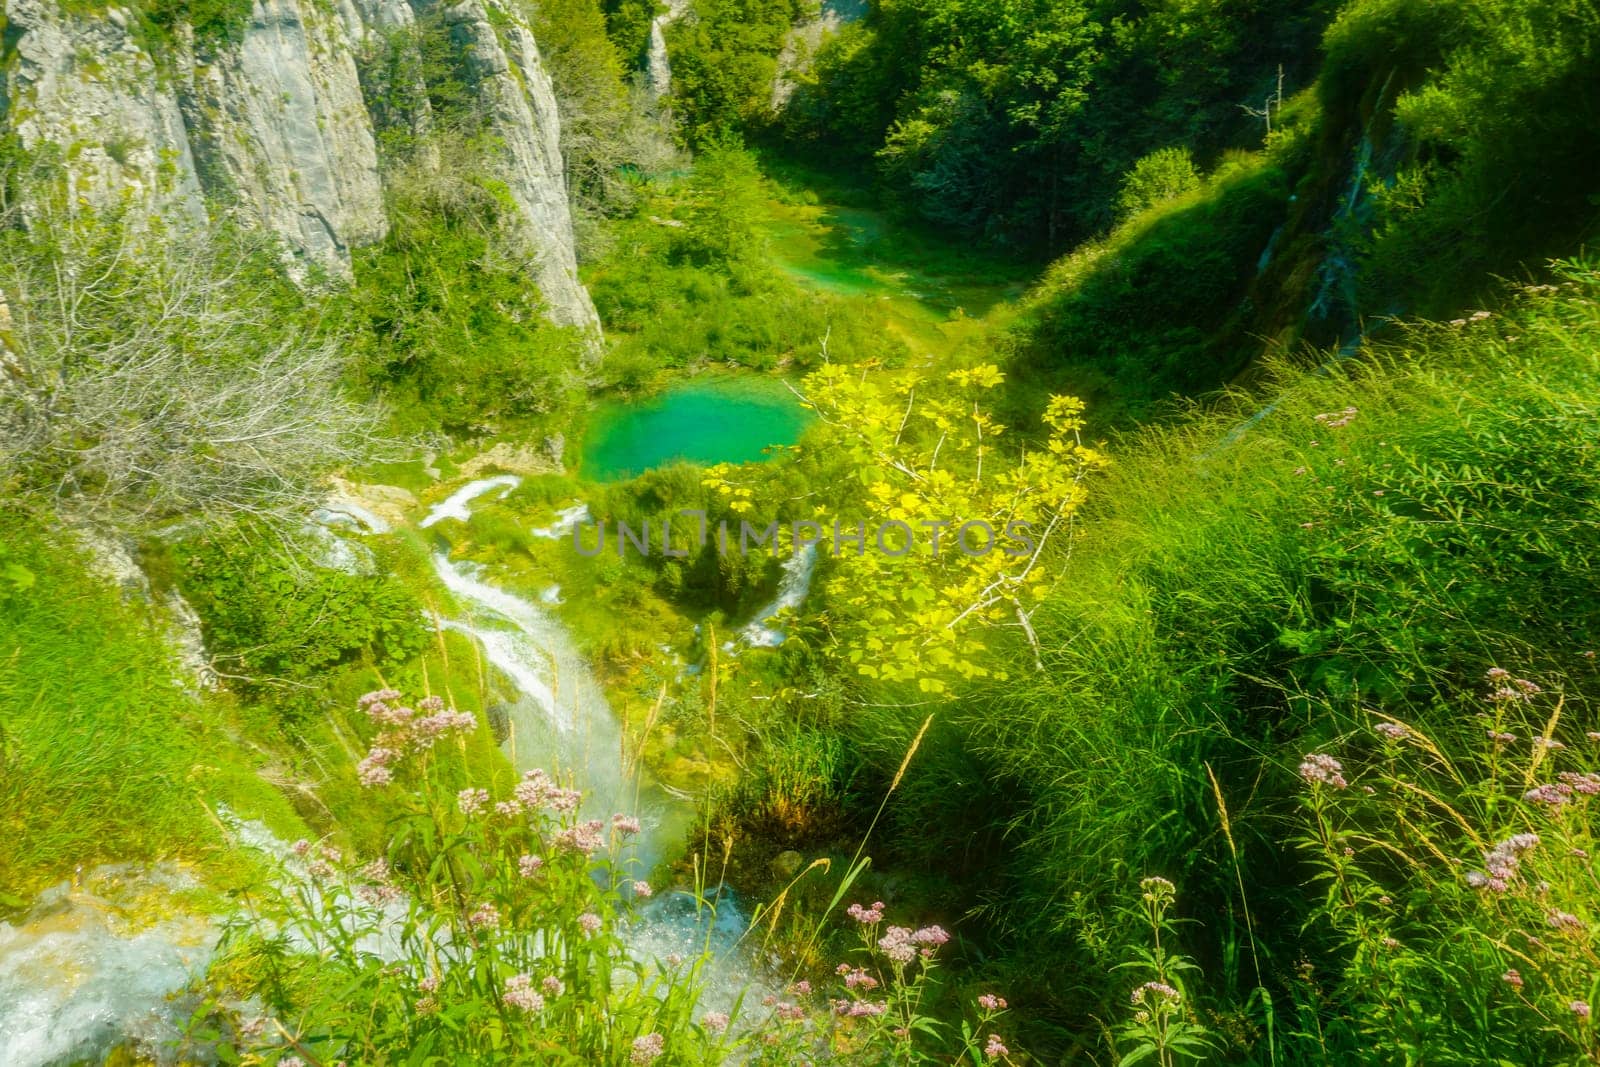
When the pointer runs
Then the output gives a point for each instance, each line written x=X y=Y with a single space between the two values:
x=561 y=720
x=566 y=519
x=658 y=68
x=792 y=591
x=657 y=65
x=455 y=506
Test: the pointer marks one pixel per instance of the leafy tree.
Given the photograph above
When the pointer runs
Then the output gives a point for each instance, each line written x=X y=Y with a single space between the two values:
x=960 y=530
x=727 y=206
x=724 y=59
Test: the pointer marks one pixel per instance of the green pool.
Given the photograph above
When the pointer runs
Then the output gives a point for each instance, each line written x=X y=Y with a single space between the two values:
x=721 y=419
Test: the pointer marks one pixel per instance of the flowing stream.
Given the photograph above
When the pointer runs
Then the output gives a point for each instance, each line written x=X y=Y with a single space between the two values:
x=562 y=722
x=103 y=962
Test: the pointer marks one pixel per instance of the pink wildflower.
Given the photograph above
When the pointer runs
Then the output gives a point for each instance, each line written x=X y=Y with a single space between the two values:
x=642 y=890
x=528 y=865
x=866 y=916
x=1512 y=978
x=1554 y=795
x=552 y=985
x=990 y=1002
x=374 y=769
x=857 y=977
x=647 y=1048
x=1587 y=784
x=519 y=994
x=1564 y=921
x=534 y=788
x=472 y=801
x=1161 y=989
x=995 y=1049
x=1579 y=1008
x=590 y=922
x=1320 y=769
x=583 y=838
x=714 y=1021
x=626 y=825
x=896 y=943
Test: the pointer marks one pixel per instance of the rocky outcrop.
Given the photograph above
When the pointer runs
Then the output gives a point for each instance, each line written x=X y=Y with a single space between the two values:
x=801 y=43
x=280 y=121
x=86 y=86
x=503 y=63
x=271 y=127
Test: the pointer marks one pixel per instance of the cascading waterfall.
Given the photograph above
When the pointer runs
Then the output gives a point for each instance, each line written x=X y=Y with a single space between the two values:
x=82 y=974
x=659 y=68
x=792 y=591
x=562 y=722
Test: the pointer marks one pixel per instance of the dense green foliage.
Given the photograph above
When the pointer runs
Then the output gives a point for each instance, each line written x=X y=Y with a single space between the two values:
x=448 y=324
x=1238 y=767
x=1018 y=120
x=276 y=621
x=1160 y=306
x=1248 y=587
x=96 y=743
x=686 y=285
x=723 y=61
x=1489 y=178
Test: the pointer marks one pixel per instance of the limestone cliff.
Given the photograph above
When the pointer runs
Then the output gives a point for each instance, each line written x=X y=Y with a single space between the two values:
x=516 y=95
x=280 y=119
x=268 y=123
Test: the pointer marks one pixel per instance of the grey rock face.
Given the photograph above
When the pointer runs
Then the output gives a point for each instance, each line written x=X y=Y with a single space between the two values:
x=85 y=85
x=281 y=116
x=503 y=62
x=273 y=128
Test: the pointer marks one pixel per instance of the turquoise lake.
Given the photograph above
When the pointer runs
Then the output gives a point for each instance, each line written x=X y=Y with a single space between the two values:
x=722 y=419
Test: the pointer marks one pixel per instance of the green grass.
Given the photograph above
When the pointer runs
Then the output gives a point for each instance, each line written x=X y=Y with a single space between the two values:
x=1249 y=579
x=103 y=751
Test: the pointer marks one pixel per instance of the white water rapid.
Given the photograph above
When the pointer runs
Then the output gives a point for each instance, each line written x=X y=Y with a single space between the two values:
x=563 y=723
x=792 y=591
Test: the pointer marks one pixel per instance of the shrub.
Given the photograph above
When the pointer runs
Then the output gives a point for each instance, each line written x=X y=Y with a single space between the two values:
x=1164 y=174
x=159 y=372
